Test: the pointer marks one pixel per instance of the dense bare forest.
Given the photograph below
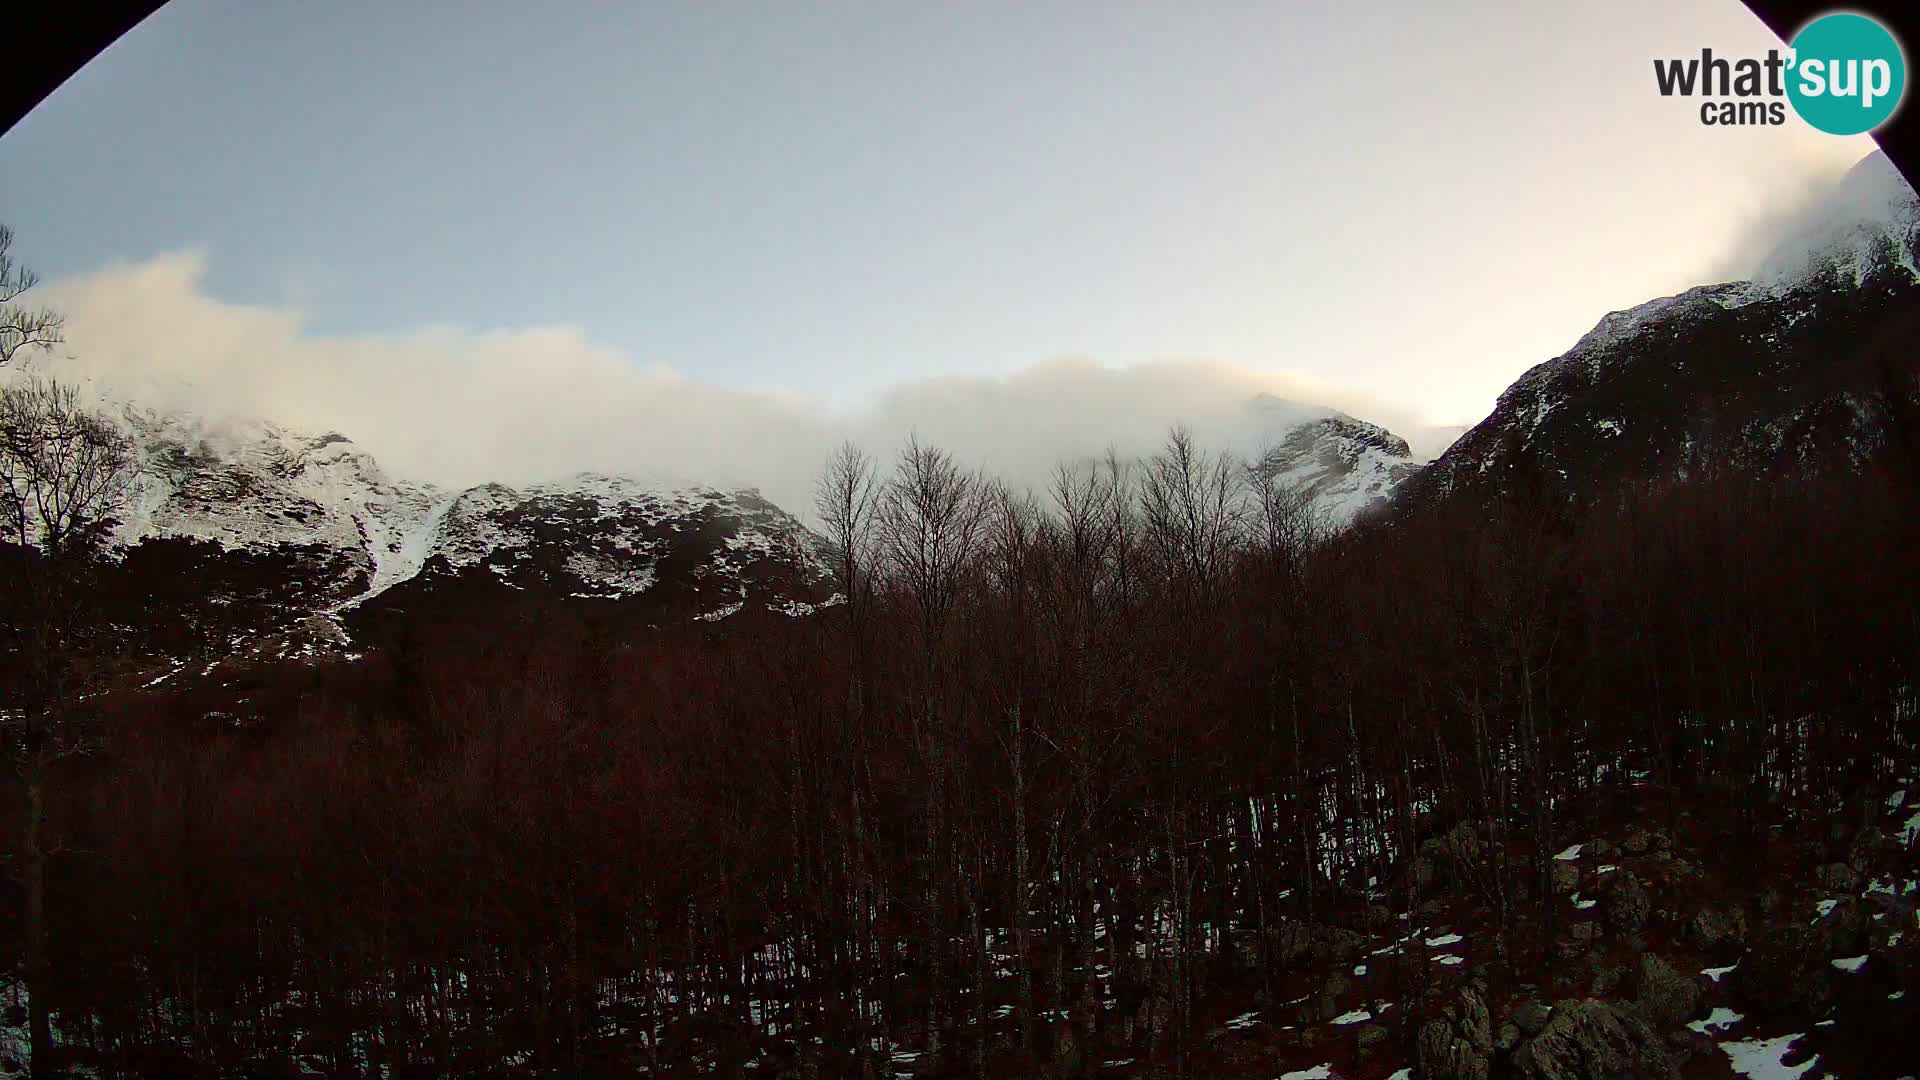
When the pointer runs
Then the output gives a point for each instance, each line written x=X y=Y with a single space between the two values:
x=1064 y=777
x=960 y=541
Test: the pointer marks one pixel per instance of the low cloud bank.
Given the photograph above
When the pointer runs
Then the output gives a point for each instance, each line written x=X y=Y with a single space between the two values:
x=458 y=407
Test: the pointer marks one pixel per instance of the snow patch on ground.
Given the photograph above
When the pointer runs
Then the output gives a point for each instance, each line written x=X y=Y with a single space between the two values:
x=1354 y=1016
x=1764 y=1059
x=1719 y=1020
x=1244 y=1021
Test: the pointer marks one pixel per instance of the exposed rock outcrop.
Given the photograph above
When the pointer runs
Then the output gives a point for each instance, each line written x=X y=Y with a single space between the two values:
x=1590 y=1040
x=1666 y=996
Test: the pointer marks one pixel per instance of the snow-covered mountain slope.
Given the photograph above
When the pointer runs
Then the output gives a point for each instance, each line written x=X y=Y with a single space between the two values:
x=1799 y=364
x=1866 y=225
x=1345 y=466
x=704 y=552
x=258 y=486
x=247 y=536
x=271 y=541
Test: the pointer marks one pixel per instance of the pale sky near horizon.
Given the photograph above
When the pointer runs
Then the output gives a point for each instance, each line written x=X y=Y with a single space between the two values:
x=1413 y=202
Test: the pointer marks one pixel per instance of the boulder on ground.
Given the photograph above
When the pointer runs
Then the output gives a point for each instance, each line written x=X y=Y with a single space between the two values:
x=1531 y=1017
x=1446 y=1056
x=1291 y=942
x=1711 y=928
x=1624 y=902
x=1455 y=854
x=1607 y=978
x=1588 y=1040
x=1370 y=1036
x=1838 y=877
x=1865 y=849
x=1459 y=1046
x=1667 y=997
x=1785 y=970
x=1564 y=878
x=1421 y=872
x=1684 y=1045
x=1507 y=1037
x=1474 y=1022
x=1243 y=949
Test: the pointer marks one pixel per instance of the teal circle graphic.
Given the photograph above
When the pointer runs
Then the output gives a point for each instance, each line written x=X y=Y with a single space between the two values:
x=1848 y=74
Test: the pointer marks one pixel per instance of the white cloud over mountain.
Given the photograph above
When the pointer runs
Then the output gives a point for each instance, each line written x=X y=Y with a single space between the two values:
x=458 y=406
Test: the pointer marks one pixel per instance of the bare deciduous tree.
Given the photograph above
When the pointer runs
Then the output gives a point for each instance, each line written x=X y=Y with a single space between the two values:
x=1191 y=503
x=846 y=496
x=932 y=519
x=63 y=474
x=1286 y=521
x=21 y=327
x=931 y=525
x=63 y=467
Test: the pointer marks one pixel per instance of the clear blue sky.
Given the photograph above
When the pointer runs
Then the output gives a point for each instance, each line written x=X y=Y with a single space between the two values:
x=836 y=196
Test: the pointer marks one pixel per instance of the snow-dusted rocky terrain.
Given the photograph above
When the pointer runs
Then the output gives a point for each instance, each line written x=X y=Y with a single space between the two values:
x=245 y=537
x=1344 y=465
x=1785 y=368
x=302 y=539
x=257 y=485
x=328 y=534
x=274 y=542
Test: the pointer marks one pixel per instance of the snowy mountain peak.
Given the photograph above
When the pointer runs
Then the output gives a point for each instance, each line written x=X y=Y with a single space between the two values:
x=245 y=484
x=1617 y=327
x=1780 y=371
x=269 y=531
x=1344 y=465
x=1865 y=224
x=1865 y=229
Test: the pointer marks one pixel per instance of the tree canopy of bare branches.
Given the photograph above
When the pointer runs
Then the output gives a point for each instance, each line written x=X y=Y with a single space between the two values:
x=1096 y=757
x=63 y=467
x=21 y=327
x=63 y=472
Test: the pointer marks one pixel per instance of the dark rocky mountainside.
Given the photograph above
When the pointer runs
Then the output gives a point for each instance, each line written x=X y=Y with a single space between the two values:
x=252 y=540
x=1812 y=362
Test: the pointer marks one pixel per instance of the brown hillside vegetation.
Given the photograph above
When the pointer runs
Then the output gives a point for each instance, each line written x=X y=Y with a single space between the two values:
x=1138 y=777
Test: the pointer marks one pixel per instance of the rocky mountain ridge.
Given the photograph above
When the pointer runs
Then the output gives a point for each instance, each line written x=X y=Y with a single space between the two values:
x=251 y=521
x=1809 y=361
x=279 y=543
